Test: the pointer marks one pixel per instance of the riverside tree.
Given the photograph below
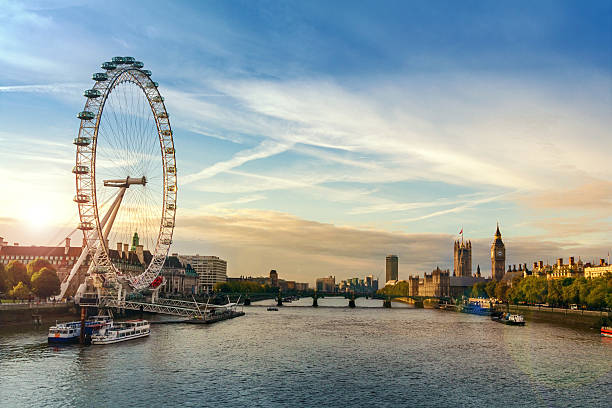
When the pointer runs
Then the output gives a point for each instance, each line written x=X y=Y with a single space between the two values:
x=16 y=272
x=45 y=283
x=37 y=264
x=3 y=279
x=20 y=291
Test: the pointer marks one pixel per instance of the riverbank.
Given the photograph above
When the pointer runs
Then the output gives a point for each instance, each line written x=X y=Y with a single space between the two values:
x=43 y=313
x=584 y=318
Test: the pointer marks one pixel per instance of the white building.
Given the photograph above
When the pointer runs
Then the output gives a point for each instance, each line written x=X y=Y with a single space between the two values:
x=598 y=271
x=210 y=270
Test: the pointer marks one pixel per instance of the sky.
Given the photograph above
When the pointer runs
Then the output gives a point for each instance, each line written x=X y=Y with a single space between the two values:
x=317 y=137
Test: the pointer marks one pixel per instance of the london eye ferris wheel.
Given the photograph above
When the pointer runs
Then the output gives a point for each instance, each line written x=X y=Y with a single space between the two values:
x=125 y=172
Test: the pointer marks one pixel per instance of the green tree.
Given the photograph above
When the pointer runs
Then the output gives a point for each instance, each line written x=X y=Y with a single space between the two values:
x=501 y=291
x=37 y=264
x=3 y=279
x=569 y=294
x=45 y=283
x=16 y=272
x=490 y=288
x=597 y=297
x=239 y=287
x=20 y=291
x=534 y=289
x=554 y=294
x=401 y=288
x=478 y=290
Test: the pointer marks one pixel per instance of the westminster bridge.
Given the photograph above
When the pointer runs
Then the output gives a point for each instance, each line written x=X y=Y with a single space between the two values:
x=247 y=298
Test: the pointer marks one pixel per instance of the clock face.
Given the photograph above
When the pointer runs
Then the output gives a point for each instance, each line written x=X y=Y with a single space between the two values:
x=499 y=253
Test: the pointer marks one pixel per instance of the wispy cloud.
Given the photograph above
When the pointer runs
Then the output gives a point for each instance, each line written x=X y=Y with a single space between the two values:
x=263 y=150
x=45 y=88
x=465 y=206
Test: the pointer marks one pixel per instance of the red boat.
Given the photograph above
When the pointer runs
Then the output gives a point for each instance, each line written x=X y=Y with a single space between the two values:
x=606 y=331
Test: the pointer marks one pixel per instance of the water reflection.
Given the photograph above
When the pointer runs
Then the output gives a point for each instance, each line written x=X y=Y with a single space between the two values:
x=326 y=356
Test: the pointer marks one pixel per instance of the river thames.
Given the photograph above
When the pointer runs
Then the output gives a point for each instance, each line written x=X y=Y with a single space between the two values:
x=307 y=357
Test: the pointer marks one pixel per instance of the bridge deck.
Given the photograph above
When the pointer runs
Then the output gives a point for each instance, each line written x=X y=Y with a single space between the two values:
x=169 y=309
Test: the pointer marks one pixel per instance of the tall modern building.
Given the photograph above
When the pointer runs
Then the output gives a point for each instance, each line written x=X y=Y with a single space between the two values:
x=391 y=268
x=210 y=270
x=274 y=278
x=326 y=284
x=463 y=258
x=498 y=257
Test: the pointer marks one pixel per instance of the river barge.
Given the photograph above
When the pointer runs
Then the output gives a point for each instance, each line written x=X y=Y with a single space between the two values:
x=124 y=331
x=606 y=331
x=475 y=308
x=215 y=317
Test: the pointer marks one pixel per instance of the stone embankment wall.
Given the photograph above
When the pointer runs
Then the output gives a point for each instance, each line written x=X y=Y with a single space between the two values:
x=587 y=318
x=16 y=313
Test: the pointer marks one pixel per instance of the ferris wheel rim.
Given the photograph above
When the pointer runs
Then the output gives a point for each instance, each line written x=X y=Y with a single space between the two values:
x=86 y=156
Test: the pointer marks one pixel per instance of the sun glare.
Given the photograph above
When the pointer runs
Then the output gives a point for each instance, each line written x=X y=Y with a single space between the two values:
x=37 y=216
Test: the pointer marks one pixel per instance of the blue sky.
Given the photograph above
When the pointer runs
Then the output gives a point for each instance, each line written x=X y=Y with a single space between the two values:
x=316 y=137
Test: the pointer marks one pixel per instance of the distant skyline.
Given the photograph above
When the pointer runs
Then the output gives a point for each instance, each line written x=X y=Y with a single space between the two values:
x=315 y=137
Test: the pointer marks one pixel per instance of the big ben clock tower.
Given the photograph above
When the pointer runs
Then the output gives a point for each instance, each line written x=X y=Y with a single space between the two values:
x=498 y=257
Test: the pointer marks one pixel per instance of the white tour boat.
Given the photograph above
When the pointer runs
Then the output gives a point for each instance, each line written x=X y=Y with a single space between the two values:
x=122 y=331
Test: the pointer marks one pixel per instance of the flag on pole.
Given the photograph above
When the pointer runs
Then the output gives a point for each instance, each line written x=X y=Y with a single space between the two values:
x=461 y=232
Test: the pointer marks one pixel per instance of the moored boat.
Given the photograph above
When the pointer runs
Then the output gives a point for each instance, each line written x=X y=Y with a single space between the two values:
x=123 y=331
x=475 y=308
x=606 y=331
x=509 y=319
x=70 y=332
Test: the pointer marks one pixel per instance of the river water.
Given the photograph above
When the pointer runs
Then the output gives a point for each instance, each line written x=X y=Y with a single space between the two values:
x=307 y=357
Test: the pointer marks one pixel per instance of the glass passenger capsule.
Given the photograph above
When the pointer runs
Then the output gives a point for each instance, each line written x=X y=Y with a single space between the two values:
x=86 y=115
x=100 y=76
x=166 y=241
x=169 y=224
x=81 y=198
x=80 y=169
x=92 y=93
x=129 y=60
x=86 y=226
x=82 y=141
x=157 y=98
x=147 y=72
x=171 y=207
x=138 y=64
x=171 y=188
x=166 y=132
x=172 y=169
x=163 y=115
x=152 y=84
x=118 y=60
x=169 y=150
x=109 y=66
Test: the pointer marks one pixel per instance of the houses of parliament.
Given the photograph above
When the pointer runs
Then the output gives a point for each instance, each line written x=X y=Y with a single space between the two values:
x=440 y=283
x=463 y=258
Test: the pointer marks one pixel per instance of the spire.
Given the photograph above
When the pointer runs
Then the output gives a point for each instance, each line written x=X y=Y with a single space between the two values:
x=135 y=242
x=497 y=233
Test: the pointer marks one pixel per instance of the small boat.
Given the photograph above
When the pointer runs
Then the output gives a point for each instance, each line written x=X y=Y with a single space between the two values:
x=272 y=309
x=606 y=331
x=69 y=332
x=123 y=331
x=510 y=319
